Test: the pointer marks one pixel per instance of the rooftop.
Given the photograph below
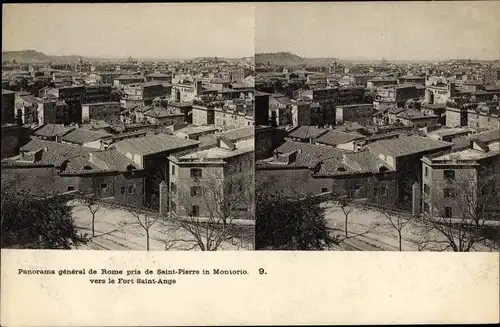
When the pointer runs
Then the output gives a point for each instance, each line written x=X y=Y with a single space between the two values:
x=127 y=77
x=159 y=112
x=153 y=144
x=306 y=132
x=449 y=131
x=334 y=137
x=81 y=136
x=488 y=136
x=53 y=130
x=414 y=114
x=219 y=152
x=61 y=149
x=111 y=159
x=100 y=103
x=193 y=129
x=180 y=104
x=238 y=133
x=407 y=145
x=466 y=154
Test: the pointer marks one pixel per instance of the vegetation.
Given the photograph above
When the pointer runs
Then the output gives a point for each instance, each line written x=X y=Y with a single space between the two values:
x=36 y=222
x=291 y=223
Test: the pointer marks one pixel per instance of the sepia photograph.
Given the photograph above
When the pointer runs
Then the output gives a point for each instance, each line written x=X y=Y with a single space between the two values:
x=129 y=130
x=378 y=126
x=331 y=151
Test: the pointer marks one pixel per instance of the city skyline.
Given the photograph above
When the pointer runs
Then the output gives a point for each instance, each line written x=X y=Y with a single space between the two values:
x=372 y=31
x=156 y=30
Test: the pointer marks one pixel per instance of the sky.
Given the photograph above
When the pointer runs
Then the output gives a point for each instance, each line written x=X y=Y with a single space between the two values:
x=390 y=30
x=137 y=30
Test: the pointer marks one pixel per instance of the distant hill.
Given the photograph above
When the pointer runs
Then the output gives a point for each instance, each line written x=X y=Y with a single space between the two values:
x=279 y=59
x=32 y=56
x=289 y=59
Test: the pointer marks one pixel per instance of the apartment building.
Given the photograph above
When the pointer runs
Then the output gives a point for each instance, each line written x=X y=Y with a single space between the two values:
x=301 y=113
x=48 y=167
x=461 y=183
x=72 y=97
x=8 y=106
x=97 y=93
x=123 y=80
x=209 y=181
x=106 y=111
x=360 y=113
x=186 y=91
x=142 y=94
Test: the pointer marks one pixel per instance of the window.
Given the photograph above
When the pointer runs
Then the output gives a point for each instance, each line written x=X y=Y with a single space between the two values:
x=195 y=211
x=449 y=174
x=240 y=187
x=449 y=193
x=123 y=189
x=448 y=213
x=71 y=188
x=383 y=191
x=104 y=186
x=426 y=207
x=196 y=173
x=324 y=189
x=352 y=193
x=195 y=191
x=173 y=188
x=131 y=189
x=375 y=192
x=173 y=206
x=426 y=170
x=427 y=189
x=240 y=166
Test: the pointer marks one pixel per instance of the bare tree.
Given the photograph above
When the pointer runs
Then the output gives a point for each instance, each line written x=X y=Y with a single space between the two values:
x=398 y=220
x=462 y=211
x=93 y=204
x=347 y=208
x=145 y=219
x=208 y=210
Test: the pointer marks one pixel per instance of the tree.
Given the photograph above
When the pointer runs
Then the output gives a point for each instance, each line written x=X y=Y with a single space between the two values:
x=94 y=206
x=347 y=208
x=145 y=219
x=291 y=223
x=398 y=220
x=36 y=222
x=209 y=211
x=287 y=217
x=463 y=211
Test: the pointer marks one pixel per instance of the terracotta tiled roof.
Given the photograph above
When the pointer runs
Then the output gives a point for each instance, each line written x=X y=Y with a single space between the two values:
x=334 y=137
x=52 y=130
x=81 y=136
x=306 y=132
x=406 y=145
x=153 y=144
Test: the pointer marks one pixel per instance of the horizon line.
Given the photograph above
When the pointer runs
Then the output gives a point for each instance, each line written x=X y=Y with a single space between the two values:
x=127 y=57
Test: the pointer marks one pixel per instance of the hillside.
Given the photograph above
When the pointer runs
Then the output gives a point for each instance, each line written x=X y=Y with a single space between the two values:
x=32 y=56
x=278 y=59
x=290 y=59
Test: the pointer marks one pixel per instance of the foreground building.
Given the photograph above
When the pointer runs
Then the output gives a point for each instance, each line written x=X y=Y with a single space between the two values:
x=464 y=183
x=219 y=178
x=45 y=167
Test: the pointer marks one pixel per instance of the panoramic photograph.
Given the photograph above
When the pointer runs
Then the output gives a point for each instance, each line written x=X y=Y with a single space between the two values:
x=377 y=126
x=132 y=129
